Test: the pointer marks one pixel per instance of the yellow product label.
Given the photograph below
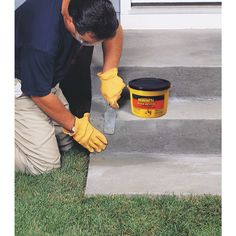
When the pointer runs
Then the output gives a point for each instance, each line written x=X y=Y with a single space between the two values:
x=148 y=113
x=149 y=104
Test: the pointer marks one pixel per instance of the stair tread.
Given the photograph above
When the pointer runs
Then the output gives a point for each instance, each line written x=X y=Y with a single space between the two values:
x=154 y=48
x=183 y=109
x=153 y=173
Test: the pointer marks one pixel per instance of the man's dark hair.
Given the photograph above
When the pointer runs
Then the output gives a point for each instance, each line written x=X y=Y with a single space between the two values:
x=96 y=16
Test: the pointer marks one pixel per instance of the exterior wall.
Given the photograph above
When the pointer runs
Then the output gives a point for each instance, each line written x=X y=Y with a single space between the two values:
x=169 y=17
x=165 y=17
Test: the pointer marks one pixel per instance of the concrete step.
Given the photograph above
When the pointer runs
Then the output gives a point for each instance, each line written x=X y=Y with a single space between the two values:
x=167 y=136
x=189 y=59
x=190 y=126
x=185 y=81
x=168 y=48
x=190 y=108
x=153 y=173
x=180 y=152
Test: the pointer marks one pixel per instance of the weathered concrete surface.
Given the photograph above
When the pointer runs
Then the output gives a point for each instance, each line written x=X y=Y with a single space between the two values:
x=185 y=81
x=193 y=108
x=167 y=136
x=180 y=152
x=183 y=109
x=168 y=48
x=153 y=173
x=190 y=126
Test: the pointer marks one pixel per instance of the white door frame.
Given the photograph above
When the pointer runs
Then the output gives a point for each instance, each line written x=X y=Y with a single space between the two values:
x=169 y=17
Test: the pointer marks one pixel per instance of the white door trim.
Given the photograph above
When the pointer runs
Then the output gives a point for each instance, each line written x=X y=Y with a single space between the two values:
x=168 y=17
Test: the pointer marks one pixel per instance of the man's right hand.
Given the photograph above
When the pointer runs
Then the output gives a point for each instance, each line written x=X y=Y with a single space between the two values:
x=88 y=136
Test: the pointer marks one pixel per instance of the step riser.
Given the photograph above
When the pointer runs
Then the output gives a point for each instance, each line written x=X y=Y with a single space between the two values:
x=165 y=136
x=185 y=82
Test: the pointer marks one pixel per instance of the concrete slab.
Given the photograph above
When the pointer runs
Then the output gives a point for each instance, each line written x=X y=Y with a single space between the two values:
x=165 y=48
x=190 y=126
x=185 y=81
x=166 y=136
x=183 y=109
x=178 y=108
x=153 y=173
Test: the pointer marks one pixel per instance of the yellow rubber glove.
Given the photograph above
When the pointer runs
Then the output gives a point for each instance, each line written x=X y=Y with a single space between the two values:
x=111 y=86
x=88 y=136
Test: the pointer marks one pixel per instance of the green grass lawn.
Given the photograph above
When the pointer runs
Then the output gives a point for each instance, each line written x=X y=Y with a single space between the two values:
x=54 y=204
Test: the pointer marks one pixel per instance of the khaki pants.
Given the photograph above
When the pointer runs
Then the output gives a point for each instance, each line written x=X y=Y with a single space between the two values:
x=38 y=139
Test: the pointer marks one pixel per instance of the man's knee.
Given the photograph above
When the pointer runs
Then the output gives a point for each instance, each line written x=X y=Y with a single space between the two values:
x=35 y=165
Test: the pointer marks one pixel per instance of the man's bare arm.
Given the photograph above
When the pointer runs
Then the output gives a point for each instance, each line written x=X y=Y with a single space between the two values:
x=54 y=108
x=112 y=49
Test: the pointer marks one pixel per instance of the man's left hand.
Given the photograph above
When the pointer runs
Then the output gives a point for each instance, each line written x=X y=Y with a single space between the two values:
x=111 y=86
